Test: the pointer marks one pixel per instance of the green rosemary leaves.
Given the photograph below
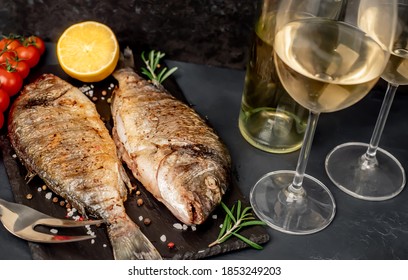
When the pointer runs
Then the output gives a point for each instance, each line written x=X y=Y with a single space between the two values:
x=234 y=221
x=152 y=62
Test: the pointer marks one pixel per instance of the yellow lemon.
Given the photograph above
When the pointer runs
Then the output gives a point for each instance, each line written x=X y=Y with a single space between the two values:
x=88 y=51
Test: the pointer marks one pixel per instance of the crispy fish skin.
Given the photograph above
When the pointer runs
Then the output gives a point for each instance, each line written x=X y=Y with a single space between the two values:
x=58 y=134
x=169 y=148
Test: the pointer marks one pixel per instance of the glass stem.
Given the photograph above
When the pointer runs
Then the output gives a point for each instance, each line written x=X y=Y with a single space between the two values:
x=379 y=126
x=296 y=186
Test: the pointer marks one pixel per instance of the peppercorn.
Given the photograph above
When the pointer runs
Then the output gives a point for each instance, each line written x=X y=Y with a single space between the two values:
x=147 y=221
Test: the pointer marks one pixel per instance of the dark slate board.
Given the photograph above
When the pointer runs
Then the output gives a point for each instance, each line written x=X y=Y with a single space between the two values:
x=189 y=244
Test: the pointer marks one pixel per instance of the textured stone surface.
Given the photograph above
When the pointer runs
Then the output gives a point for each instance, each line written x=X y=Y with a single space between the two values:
x=213 y=32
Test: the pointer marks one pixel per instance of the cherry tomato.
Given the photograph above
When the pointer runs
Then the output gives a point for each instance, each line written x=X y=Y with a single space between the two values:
x=1 y=120
x=30 y=54
x=17 y=65
x=6 y=55
x=35 y=41
x=10 y=43
x=4 y=100
x=11 y=82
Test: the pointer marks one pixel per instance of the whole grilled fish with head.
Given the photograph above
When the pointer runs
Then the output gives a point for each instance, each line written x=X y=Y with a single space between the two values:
x=58 y=134
x=169 y=148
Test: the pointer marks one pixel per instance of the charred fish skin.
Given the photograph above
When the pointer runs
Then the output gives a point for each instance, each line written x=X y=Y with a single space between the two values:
x=57 y=133
x=169 y=148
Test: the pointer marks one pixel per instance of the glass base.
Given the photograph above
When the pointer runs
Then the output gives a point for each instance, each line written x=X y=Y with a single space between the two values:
x=379 y=181
x=283 y=211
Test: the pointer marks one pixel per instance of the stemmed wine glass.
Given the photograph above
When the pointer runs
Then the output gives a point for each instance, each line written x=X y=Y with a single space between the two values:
x=372 y=173
x=326 y=65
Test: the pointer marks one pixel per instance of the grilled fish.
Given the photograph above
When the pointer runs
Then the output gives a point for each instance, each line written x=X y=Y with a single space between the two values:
x=58 y=135
x=169 y=148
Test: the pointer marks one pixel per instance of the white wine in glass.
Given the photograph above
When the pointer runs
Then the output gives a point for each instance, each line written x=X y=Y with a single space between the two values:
x=373 y=173
x=326 y=65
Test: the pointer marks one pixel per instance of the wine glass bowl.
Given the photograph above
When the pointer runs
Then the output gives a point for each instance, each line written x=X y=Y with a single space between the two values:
x=366 y=171
x=326 y=61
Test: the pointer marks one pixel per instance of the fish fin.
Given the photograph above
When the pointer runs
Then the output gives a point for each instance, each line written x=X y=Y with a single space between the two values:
x=129 y=243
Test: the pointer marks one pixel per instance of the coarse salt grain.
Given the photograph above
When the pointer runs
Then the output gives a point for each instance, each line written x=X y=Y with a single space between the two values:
x=14 y=156
x=104 y=245
x=140 y=218
x=185 y=227
x=220 y=225
x=193 y=228
x=92 y=241
x=54 y=231
x=214 y=217
x=178 y=226
x=48 y=195
x=39 y=189
x=163 y=238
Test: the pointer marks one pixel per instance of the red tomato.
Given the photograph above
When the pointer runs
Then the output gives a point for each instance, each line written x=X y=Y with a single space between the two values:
x=1 y=120
x=4 y=101
x=6 y=55
x=35 y=41
x=11 y=82
x=12 y=44
x=19 y=66
x=30 y=54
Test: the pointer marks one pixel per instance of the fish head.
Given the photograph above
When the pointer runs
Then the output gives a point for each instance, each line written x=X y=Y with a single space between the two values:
x=194 y=179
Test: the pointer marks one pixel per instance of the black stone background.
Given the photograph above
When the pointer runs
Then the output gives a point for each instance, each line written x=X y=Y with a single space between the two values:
x=210 y=32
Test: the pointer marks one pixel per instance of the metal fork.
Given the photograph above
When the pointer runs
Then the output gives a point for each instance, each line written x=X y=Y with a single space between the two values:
x=20 y=220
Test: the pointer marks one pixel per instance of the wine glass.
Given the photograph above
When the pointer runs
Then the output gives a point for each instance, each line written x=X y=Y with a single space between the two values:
x=326 y=64
x=372 y=173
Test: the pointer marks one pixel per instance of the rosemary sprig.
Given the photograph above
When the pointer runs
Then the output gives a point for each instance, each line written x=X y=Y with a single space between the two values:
x=234 y=221
x=152 y=63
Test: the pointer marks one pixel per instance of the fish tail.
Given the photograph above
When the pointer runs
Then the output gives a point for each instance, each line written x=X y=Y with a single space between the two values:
x=129 y=243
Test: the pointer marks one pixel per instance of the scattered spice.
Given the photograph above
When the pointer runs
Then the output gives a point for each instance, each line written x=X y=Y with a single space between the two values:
x=68 y=206
x=147 y=221
x=55 y=199
x=44 y=187
x=62 y=203
x=137 y=192
x=29 y=196
x=163 y=238
x=178 y=226
x=48 y=195
x=94 y=98
x=139 y=202
x=170 y=245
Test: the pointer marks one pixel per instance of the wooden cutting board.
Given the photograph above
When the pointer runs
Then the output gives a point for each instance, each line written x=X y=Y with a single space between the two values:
x=190 y=243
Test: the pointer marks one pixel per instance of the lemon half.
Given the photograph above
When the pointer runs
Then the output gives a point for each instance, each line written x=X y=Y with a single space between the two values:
x=88 y=51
